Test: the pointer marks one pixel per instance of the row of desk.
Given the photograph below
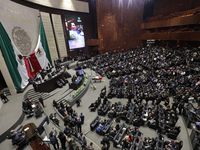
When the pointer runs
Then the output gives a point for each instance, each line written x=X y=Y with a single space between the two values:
x=50 y=84
x=188 y=118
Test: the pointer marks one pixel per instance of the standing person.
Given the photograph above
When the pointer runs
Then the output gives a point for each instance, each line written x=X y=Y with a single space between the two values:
x=84 y=143
x=78 y=101
x=91 y=147
x=180 y=107
x=4 y=97
x=35 y=86
x=41 y=100
x=53 y=139
x=106 y=140
x=82 y=118
x=70 y=142
x=78 y=124
x=63 y=140
x=70 y=111
x=105 y=147
x=129 y=96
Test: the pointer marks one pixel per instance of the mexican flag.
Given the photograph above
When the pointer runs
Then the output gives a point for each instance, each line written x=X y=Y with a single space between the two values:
x=21 y=67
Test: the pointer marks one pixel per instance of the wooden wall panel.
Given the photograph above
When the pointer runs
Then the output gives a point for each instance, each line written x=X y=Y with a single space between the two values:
x=92 y=42
x=170 y=6
x=178 y=21
x=185 y=36
x=119 y=23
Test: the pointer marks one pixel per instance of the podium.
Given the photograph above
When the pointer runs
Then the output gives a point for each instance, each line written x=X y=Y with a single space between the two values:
x=30 y=130
x=36 y=142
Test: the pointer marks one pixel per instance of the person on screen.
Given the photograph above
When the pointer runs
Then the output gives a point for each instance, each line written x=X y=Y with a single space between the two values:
x=72 y=30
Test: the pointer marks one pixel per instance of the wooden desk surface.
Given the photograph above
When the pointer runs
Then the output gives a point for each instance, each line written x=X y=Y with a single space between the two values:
x=35 y=144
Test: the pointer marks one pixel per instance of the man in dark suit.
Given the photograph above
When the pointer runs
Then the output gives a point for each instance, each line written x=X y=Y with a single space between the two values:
x=35 y=86
x=41 y=100
x=82 y=118
x=129 y=96
x=78 y=124
x=106 y=140
x=63 y=140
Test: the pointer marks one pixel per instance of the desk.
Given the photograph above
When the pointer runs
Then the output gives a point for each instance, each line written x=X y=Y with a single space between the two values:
x=35 y=144
x=30 y=130
x=75 y=85
x=81 y=72
x=194 y=139
x=50 y=84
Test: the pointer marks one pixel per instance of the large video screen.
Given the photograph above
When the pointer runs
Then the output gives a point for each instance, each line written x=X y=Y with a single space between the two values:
x=75 y=33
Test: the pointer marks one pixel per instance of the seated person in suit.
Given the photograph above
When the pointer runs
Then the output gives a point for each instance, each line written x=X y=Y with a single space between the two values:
x=28 y=104
x=77 y=73
x=174 y=130
x=17 y=136
x=30 y=80
x=103 y=122
x=149 y=143
x=117 y=127
x=49 y=75
x=197 y=110
x=174 y=144
x=113 y=132
x=62 y=81
x=62 y=111
x=55 y=104
x=111 y=113
x=98 y=102
x=74 y=78
x=59 y=84
x=53 y=73
x=65 y=80
x=99 y=127
x=94 y=105
x=132 y=130
x=125 y=143
x=151 y=120
x=54 y=119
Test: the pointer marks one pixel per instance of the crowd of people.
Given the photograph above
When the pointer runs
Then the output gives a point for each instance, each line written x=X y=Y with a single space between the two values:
x=72 y=122
x=150 y=74
x=157 y=75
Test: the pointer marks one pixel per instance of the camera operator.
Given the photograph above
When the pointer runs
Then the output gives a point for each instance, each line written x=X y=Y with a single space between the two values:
x=78 y=101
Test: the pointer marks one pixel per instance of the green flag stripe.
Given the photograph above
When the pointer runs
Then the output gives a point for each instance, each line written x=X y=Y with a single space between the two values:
x=44 y=41
x=9 y=57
